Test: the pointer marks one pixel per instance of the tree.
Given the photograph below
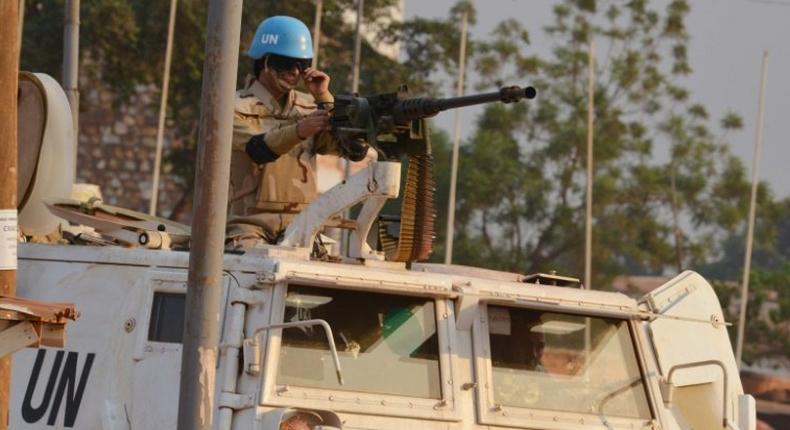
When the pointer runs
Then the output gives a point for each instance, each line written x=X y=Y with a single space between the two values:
x=767 y=329
x=771 y=241
x=663 y=183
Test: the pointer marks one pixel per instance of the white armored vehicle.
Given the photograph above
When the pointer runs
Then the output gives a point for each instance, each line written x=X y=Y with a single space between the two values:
x=426 y=347
x=360 y=342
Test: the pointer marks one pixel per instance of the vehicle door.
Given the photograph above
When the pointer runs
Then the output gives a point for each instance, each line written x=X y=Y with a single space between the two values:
x=693 y=351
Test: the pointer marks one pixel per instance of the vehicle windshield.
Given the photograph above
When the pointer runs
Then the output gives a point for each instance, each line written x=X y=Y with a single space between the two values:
x=562 y=362
x=386 y=343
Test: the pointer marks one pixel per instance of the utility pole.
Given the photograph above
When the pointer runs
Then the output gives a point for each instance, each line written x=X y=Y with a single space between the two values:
x=71 y=58
x=588 y=213
x=212 y=176
x=9 y=83
x=676 y=217
x=21 y=22
x=354 y=89
x=319 y=5
x=448 y=248
x=357 y=47
x=747 y=258
x=160 y=130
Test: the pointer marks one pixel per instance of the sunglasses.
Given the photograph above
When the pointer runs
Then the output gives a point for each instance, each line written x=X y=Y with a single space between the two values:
x=283 y=64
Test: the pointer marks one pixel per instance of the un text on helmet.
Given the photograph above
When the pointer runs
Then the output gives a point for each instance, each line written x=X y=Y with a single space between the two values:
x=270 y=39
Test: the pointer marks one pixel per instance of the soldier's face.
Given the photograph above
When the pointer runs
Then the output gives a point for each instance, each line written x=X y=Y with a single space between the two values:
x=285 y=71
x=281 y=81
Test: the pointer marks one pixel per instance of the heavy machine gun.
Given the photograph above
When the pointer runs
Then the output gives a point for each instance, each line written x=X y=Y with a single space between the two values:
x=392 y=116
x=394 y=125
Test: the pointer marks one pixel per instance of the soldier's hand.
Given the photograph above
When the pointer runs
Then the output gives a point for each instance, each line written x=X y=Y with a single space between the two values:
x=311 y=124
x=317 y=82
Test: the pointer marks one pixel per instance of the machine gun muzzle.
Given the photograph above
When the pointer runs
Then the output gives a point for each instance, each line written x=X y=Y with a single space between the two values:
x=423 y=107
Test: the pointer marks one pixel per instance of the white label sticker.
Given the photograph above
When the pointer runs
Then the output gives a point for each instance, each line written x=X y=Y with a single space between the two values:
x=8 y=239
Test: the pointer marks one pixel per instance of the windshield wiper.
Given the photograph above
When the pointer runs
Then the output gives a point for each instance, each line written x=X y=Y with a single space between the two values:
x=310 y=323
x=617 y=392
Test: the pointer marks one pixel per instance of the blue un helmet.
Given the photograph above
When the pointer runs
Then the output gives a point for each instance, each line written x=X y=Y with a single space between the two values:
x=282 y=35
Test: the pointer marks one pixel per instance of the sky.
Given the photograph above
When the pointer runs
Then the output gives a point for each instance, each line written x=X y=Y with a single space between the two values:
x=728 y=38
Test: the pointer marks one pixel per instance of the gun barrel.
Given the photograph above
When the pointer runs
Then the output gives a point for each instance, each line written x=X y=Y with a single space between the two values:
x=505 y=95
x=411 y=109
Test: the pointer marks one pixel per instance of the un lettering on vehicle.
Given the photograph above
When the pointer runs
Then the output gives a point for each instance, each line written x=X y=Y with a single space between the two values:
x=60 y=384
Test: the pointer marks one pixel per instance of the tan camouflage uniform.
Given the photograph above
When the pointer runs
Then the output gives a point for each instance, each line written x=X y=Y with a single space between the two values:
x=263 y=199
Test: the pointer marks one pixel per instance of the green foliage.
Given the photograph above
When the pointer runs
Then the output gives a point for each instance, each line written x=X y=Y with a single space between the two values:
x=767 y=329
x=768 y=314
x=771 y=250
x=430 y=47
x=665 y=185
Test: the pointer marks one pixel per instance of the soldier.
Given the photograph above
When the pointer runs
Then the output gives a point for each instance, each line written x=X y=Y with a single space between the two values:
x=277 y=131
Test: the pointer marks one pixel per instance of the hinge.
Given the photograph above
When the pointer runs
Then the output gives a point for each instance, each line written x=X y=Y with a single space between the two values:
x=248 y=297
x=251 y=356
x=266 y=277
x=468 y=303
x=237 y=401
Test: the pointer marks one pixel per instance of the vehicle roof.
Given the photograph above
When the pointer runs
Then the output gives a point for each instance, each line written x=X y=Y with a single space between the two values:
x=424 y=279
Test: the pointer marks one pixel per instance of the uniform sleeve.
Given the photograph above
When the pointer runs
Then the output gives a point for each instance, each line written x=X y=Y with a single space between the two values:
x=282 y=139
x=260 y=144
x=244 y=128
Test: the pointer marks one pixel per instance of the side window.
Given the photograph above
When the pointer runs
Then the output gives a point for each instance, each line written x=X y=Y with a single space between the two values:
x=387 y=344
x=563 y=362
x=167 y=318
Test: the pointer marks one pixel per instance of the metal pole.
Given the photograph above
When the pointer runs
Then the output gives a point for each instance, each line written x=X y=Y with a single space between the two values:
x=160 y=130
x=747 y=258
x=9 y=84
x=448 y=248
x=588 y=214
x=676 y=218
x=21 y=22
x=319 y=4
x=212 y=172
x=357 y=47
x=588 y=197
x=71 y=58
x=354 y=89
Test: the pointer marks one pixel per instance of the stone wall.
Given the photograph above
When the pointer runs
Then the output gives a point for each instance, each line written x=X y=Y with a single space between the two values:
x=116 y=150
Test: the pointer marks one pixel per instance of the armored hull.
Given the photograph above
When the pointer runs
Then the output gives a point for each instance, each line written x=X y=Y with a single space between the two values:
x=424 y=347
